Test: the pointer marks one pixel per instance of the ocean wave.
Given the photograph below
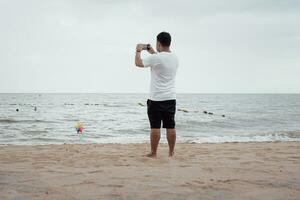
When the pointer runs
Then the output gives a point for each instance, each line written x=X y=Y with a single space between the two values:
x=259 y=137
x=10 y=120
x=112 y=105
x=288 y=134
x=94 y=104
x=35 y=132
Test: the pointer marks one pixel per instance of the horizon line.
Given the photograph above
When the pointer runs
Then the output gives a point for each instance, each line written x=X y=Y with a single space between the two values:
x=148 y=93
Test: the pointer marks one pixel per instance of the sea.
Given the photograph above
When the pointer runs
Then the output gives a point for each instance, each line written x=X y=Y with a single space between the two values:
x=46 y=118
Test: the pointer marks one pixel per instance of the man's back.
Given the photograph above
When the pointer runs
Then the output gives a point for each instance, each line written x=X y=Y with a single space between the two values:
x=163 y=71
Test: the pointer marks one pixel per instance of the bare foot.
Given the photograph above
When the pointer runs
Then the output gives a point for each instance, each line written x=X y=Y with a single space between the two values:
x=151 y=155
x=171 y=154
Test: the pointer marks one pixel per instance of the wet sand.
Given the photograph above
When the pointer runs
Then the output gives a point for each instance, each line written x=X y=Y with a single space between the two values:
x=265 y=170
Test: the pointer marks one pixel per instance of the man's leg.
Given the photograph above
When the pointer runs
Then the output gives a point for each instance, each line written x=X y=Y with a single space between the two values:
x=154 y=139
x=171 y=137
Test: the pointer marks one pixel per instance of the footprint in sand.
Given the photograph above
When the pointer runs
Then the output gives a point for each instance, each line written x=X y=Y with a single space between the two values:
x=96 y=171
x=183 y=165
x=234 y=158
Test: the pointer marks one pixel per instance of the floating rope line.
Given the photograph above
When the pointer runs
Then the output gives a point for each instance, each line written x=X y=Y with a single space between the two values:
x=187 y=111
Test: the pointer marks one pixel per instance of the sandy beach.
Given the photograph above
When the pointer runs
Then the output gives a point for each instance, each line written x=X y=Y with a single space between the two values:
x=265 y=170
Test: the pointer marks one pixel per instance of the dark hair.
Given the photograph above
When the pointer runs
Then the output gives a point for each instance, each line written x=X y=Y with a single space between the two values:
x=164 y=38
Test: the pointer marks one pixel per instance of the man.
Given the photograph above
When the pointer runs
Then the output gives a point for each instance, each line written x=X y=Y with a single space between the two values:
x=161 y=105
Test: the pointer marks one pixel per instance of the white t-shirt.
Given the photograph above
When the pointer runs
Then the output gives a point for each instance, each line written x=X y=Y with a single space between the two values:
x=163 y=71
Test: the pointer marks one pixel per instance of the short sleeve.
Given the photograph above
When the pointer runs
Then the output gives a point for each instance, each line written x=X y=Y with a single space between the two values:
x=150 y=61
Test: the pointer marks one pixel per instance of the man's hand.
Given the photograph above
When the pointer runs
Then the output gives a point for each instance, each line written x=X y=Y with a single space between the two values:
x=151 y=50
x=139 y=47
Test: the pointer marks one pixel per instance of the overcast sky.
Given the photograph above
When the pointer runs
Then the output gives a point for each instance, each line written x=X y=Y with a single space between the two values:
x=223 y=46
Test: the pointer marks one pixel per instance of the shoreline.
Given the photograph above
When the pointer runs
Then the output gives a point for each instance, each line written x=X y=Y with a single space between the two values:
x=230 y=170
x=148 y=143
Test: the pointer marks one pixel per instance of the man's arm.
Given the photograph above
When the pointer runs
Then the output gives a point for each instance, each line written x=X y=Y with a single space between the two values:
x=138 y=60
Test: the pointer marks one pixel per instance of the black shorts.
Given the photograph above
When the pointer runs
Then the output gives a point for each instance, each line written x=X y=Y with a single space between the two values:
x=161 y=111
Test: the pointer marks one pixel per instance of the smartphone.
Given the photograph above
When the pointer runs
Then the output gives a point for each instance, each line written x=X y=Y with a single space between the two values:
x=146 y=47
